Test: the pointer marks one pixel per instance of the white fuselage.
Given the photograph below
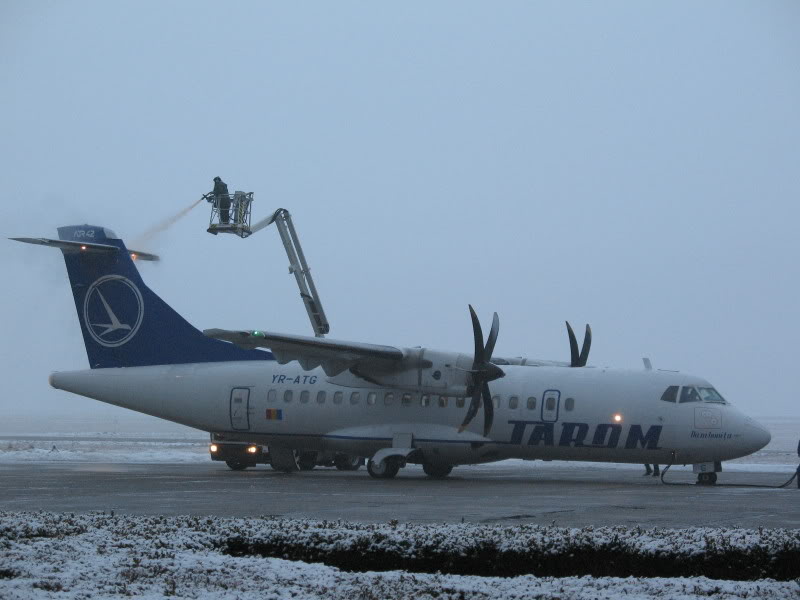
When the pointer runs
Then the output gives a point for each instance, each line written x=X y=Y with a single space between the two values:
x=588 y=414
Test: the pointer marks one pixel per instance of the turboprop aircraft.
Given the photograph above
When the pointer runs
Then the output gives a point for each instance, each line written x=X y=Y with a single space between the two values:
x=393 y=406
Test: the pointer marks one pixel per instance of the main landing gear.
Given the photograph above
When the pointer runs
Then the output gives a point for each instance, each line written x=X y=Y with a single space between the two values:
x=386 y=469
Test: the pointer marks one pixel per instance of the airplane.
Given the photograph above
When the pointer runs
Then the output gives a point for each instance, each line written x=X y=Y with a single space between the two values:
x=299 y=395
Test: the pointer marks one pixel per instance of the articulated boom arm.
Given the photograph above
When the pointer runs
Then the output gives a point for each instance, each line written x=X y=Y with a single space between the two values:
x=298 y=267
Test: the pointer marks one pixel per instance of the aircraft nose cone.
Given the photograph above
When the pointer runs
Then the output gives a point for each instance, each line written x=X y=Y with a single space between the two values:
x=757 y=436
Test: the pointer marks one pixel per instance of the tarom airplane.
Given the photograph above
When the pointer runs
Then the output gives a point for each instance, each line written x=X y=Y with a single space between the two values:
x=309 y=399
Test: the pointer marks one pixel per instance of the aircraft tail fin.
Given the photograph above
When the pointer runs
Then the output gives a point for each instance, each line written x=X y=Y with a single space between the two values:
x=124 y=323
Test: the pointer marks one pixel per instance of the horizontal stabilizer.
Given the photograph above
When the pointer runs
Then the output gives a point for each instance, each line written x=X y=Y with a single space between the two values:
x=90 y=247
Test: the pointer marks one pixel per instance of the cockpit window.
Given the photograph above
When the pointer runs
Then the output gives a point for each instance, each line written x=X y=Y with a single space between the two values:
x=670 y=394
x=709 y=394
x=689 y=394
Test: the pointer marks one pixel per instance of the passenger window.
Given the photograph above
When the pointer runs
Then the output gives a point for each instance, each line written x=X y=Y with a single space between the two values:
x=670 y=394
x=337 y=397
x=272 y=396
x=372 y=397
x=355 y=398
x=443 y=401
x=388 y=399
x=689 y=394
x=424 y=400
x=531 y=403
x=287 y=396
x=513 y=402
x=496 y=401
x=406 y=400
x=460 y=402
x=550 y=404
x=304 y=396
x=569 y=403
x=321 y=397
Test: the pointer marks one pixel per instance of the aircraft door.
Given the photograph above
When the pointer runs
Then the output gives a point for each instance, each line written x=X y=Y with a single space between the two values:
x=240 y=409
x=550 y=401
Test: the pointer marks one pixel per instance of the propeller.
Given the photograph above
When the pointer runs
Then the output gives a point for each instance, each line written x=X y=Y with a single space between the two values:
x=482 y=372
x=579 y=360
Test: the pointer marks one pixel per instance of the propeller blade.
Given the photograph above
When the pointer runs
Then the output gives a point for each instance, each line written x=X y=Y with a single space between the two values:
x=492 y=338
x=576 y=359
x=573 y=347
x=587 y=343
x=473 y=408
x=478 y=334
x=488 y=409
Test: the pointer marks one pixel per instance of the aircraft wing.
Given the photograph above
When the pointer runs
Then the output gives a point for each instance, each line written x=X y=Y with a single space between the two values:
x=334 y=356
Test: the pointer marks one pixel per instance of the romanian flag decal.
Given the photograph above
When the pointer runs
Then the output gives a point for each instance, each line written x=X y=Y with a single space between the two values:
x=274 y=414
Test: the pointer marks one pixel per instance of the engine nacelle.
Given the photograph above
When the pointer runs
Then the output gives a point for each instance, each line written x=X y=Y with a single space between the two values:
x=423 y=370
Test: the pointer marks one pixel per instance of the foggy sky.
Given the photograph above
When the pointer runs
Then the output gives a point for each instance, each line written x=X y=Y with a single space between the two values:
x=630 y=165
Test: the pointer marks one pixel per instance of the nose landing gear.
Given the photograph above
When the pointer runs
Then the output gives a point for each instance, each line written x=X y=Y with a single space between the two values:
x=706 y=478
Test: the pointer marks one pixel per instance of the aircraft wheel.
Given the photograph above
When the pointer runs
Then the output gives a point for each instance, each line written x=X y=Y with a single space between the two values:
x=307 y=461
x=386 y=469
x=345 y=462
x=436 y=471
x=235 y=465
x=706 y=478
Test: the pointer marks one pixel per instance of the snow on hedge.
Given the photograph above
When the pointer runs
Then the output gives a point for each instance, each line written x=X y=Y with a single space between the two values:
x=101 y=555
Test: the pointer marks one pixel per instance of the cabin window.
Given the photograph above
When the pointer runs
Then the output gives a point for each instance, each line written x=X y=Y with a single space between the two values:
x=372 y=398
x=388 y=399
x=550 y=403
x=424 y=400
x=496 y=401
x=287 y=396
x=670 y=394
x=443 y=401
x=406 y=400
x=689 y=394
x=531 y=403
x=304 y=396
x=272 y=396
x=321 y=397
x=338 y=397
x=355 y=398
x=460 y=402
x=569 y=404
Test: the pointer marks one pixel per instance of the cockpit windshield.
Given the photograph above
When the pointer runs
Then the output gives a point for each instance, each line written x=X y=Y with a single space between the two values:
x=709 y=394
x=701 y=394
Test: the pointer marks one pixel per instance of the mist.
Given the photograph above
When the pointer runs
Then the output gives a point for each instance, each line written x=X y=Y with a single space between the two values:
x=628 y=165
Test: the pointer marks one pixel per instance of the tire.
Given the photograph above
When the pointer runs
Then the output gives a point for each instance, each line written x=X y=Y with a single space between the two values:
x=436 y=471
x=386 y=469
x=235 y=465
x=707 y=479
x=307 y=461
x=345 y=462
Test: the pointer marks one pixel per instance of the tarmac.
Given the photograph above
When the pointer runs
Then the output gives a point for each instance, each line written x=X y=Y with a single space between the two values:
x=498 y=494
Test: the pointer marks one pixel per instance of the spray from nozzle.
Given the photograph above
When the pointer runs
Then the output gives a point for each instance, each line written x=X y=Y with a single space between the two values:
x=143 y=239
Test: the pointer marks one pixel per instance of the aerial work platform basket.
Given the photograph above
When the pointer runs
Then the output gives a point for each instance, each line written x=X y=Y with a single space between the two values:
x=230 y=213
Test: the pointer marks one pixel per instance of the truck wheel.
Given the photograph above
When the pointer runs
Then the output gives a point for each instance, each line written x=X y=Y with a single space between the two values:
x=345 y=462
x=235 y=465
x=307 y=461
x=435 y=471
x=386 y=469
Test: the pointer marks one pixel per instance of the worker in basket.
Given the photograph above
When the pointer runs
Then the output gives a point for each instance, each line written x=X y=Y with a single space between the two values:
x=221 y=200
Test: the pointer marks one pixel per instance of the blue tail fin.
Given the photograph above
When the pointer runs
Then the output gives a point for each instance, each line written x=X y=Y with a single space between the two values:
x=124 y=323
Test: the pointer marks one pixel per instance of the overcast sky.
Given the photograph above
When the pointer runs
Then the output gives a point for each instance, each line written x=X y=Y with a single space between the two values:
x=631 y=165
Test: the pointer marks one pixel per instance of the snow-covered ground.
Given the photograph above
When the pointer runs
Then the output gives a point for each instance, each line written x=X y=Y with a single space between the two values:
x=45 y=555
